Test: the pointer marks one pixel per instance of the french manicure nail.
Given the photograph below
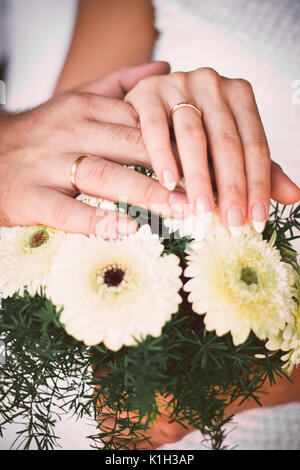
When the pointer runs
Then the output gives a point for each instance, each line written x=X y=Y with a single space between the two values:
x=259 y=217
x=169 y=180
x=204 y=208
x=235 y=220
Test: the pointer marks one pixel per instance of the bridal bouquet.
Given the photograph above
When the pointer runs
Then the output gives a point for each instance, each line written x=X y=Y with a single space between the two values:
x=182 y=322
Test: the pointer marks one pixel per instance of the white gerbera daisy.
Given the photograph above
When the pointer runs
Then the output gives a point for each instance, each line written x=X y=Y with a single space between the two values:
x=26 y=256
x=190 y=226
x=240 y=284
x=115 y=291
x=288 y=340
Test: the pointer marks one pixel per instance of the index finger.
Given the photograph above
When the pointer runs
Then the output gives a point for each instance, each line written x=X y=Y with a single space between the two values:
x=117 y=142
x=102 y=178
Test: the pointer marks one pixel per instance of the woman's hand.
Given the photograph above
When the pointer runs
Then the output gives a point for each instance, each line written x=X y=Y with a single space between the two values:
x=228 y=135
x=38 y=148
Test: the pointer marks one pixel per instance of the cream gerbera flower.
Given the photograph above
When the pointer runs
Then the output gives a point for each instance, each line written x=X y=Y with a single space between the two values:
x=115 y=291
x=288 y=340
x=98 y=202
x=26 y=256
x=240 y=284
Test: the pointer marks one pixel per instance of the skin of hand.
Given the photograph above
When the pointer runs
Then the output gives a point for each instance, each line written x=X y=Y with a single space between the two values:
x=38 y=148
x=227 y=134
x=162 y=431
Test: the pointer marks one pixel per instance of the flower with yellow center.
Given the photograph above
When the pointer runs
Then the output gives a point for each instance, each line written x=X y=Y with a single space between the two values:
x=116 y=291
x=239 y=284
x=26 y=255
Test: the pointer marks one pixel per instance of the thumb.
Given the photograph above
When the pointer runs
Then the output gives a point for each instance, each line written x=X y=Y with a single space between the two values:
x=283 y=189
x=118 y=83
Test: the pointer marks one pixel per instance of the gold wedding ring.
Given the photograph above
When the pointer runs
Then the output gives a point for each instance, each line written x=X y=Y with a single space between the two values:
x=73 y=171
x=184 y=105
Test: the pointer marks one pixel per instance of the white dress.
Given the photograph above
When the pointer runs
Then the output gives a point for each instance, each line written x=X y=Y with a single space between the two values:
x=254 y=39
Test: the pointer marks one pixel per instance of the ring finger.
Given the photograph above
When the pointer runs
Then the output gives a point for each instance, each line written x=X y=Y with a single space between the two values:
x=99 y=177
x=228 y=161
x=156 y=137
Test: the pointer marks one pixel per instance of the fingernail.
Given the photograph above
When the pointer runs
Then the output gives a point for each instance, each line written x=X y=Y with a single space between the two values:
x=106 y=227
x=259 y=217
x=235 y=220
x=204 y=208
x=169 y=180
x=126 y=226
x=178 y=203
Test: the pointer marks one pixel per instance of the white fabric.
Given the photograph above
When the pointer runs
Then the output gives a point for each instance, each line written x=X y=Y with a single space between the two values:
x=39 y=36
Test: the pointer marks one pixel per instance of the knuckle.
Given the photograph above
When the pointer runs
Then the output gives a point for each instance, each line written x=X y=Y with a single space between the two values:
x=74 y=100
x=85 y=102
x=150 y=192
x=233 y=189
x=192 y=131
x=259 y=187
x=228 y=138
x=259 y=148
x=134 y=136
x=101 y=173
x=210 y=74
x=146 y=84
x=154 y=123
x=131 y=113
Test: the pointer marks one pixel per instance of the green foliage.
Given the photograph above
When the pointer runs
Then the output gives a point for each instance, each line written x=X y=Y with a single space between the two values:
x=48 y=373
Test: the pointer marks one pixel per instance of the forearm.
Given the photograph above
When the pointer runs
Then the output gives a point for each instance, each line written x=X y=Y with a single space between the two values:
x=107 y=35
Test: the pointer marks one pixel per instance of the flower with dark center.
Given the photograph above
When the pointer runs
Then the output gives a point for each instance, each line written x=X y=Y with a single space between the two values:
x=113 y=276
